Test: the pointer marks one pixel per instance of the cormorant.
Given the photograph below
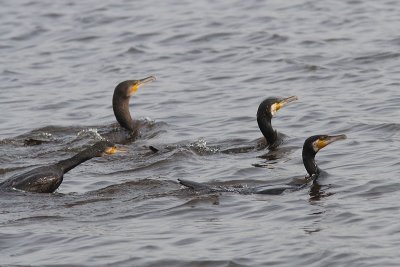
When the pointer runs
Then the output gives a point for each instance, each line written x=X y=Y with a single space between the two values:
x=310 y=148
x=272 y=139
x=265 y=112
x=120 y=102
x=47 y=179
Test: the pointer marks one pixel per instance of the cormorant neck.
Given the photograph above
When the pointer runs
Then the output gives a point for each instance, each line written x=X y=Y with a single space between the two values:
x=264 y=123
x=68 y=164
x=121 y=111
x=309 y=161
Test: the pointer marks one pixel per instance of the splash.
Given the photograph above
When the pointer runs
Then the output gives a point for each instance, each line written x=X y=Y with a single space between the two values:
x=200 y=147
x=91 y=132
x=46 y=135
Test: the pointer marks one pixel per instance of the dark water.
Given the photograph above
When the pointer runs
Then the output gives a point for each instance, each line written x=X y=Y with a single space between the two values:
x=214 y=63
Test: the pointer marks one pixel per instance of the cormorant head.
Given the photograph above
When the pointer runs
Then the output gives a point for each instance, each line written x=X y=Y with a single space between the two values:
x=310 y=148
x=127 y=88
x=104 y=147
x=317 y=142
x=271 y=105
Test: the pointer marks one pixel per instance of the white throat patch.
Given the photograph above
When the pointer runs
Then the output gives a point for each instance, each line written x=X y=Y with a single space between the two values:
x=273 y=109
x=315 y=146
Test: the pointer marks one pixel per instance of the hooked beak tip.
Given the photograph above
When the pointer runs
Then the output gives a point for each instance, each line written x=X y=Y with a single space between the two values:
x=147 y=80
x=290 y=99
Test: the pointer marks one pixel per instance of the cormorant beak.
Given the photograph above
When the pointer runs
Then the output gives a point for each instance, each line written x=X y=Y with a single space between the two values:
x=277 y=106
x=141 y=82
x=112 y=150
x=323 y=142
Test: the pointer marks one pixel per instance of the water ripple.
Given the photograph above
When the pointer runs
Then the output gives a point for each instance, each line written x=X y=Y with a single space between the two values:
x=214 y=63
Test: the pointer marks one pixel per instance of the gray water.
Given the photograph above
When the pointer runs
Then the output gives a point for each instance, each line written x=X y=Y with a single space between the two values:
x=214 y=63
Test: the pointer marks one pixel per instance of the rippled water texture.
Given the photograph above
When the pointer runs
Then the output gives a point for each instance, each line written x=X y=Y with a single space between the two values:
x=214 y=63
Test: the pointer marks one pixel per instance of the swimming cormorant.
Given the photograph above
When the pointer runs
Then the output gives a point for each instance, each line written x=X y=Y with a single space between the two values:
x=272 y=139
x=120 y=102
x=310 y=148
x=265 y=112
x=47 y=179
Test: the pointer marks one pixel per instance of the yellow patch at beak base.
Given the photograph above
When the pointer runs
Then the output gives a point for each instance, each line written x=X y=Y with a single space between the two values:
x=275 y=107
x=134 y=88
x=321 y=143
x=111 y=150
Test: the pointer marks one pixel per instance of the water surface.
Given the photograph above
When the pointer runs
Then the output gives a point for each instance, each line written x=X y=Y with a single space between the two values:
x=214 y=63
